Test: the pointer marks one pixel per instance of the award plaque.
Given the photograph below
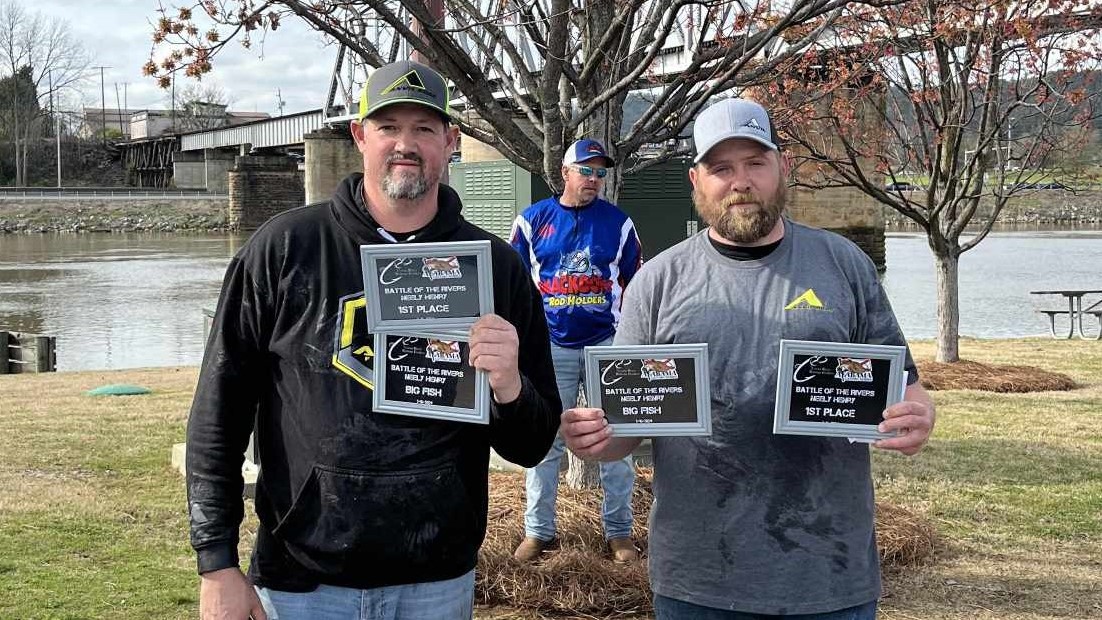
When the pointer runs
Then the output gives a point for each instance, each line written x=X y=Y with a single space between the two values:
x=836 y=389
x=429 y=375
x=426 y=286
x=651 y=390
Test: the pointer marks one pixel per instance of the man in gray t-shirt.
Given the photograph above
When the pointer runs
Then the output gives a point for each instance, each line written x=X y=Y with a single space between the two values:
x=745 y=521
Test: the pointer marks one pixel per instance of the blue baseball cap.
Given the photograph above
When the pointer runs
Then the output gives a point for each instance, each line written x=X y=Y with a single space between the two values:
x=585 y=150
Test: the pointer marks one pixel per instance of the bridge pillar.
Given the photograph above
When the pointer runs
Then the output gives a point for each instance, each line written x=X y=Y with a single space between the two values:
x=217 y=164
x=846 y=211
x=472 y=150
x=331 y=155
x=261 y=186
x=188 y=170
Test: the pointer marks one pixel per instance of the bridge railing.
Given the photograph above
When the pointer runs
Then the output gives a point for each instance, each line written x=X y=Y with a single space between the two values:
x=104 y=192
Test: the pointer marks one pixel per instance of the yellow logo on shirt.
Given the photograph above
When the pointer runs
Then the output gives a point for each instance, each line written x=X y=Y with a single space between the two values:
x=808 y=301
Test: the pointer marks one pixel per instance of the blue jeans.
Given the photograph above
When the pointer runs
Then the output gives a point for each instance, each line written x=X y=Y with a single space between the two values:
x=449 y=599
x=542 y=481
x=666 y=608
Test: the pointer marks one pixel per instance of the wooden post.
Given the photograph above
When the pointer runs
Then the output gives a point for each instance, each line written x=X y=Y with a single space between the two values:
x=20 y=353
x=44 y=357
x=5 y=353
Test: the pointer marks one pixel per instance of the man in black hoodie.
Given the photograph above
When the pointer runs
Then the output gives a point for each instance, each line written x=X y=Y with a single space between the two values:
x=362 y=515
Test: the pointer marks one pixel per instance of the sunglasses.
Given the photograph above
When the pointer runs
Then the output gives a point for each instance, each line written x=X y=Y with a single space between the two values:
x=588 y=171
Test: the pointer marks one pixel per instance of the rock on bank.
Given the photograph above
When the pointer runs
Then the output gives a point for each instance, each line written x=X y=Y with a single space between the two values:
x=112 y=214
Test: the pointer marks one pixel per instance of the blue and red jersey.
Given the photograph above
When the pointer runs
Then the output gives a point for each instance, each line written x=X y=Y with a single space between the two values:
x=580 y=258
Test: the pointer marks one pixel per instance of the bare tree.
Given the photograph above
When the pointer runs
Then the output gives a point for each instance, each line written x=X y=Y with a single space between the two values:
x=51 y=59
x=536 y=75
x=200 y=106
x=970 y=101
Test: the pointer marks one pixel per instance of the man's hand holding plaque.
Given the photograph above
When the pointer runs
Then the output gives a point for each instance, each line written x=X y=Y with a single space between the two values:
x=494 y=350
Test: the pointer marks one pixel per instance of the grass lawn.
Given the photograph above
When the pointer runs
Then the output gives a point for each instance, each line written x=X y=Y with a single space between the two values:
x=92 y=520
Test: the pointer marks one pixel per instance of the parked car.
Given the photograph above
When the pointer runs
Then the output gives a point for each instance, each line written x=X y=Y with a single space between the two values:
x=901 y=187
x=1048 y=185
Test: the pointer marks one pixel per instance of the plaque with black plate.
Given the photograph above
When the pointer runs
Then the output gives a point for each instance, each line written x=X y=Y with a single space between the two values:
x=651 y=390
x=426 y=286
x=835 y=389
x=429 y=375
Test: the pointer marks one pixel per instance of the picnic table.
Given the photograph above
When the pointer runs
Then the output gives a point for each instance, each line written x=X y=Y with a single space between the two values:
x=1075 y=311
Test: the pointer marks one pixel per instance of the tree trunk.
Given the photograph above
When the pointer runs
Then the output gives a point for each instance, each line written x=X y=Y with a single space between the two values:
x=581 y=474
x=947 y=264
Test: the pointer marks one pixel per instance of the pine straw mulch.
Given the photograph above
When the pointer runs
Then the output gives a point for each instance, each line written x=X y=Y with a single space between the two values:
x=579 y=578
x=966 y=375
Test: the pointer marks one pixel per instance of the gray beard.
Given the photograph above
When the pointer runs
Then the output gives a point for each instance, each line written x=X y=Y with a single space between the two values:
x=405 y=187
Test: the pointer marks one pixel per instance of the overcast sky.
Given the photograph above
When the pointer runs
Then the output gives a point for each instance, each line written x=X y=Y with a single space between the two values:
x=117 y=33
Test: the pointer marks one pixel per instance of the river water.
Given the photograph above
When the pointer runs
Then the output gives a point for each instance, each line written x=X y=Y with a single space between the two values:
x=137 y=300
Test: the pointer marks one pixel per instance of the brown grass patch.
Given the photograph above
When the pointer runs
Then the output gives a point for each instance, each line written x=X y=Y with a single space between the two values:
x=967 y=375
x=579 y=579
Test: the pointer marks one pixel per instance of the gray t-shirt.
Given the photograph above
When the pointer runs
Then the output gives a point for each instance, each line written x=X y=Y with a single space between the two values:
x=744 y=519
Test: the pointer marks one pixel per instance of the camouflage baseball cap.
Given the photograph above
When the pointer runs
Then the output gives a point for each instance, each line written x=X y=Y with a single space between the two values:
x=404 y=82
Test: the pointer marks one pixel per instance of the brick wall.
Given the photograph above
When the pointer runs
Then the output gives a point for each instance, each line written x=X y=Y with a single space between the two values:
x=260 y=187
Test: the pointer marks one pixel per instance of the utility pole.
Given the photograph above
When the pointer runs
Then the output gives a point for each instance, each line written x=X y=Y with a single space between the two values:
x=102 y=103
x=279 y=101
x=57 y=124
x=122 y=112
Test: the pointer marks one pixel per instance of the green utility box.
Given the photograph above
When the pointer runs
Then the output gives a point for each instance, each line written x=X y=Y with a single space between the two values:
x=495 y=192
x=658 y=199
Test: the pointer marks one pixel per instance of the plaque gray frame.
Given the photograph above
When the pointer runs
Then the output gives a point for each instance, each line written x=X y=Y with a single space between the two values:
x=371 y=255
x=479 y=415
x=696 y=351
x=783 y=423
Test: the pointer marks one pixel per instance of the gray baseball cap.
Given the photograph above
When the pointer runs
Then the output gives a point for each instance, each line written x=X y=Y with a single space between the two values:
x=404 y=82
x=732 y=118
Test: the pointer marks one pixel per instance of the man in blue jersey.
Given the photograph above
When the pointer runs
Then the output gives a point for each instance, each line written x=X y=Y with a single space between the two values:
x=581 y=251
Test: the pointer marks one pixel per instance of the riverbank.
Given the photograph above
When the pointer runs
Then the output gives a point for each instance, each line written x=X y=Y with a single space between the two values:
x=83 y=215
x=27 y=216
x=1012 y=482
x=1043 y=207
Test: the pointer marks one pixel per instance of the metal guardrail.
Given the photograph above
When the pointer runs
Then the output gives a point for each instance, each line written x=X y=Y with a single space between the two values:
x=104 y=192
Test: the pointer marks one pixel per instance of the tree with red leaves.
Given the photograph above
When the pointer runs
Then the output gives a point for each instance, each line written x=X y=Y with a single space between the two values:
x=949 y=110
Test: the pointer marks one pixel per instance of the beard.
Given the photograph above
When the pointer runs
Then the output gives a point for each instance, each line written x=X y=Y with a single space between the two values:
x=742 y=225
x=408 y=185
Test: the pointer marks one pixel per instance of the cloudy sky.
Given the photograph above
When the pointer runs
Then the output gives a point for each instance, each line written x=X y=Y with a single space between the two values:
x=294 y=61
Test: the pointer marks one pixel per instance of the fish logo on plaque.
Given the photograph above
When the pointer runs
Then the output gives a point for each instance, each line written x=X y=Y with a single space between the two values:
x=441 y=268
x=443 y=350
x=658 y=370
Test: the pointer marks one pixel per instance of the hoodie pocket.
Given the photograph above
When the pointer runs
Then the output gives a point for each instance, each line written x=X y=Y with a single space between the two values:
x=344 y=520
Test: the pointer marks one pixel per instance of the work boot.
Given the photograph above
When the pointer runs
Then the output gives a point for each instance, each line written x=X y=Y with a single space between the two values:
x=623 y=550
x=530 y=548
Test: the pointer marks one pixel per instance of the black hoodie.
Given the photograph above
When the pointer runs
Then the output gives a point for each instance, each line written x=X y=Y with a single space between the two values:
x=346 y=496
